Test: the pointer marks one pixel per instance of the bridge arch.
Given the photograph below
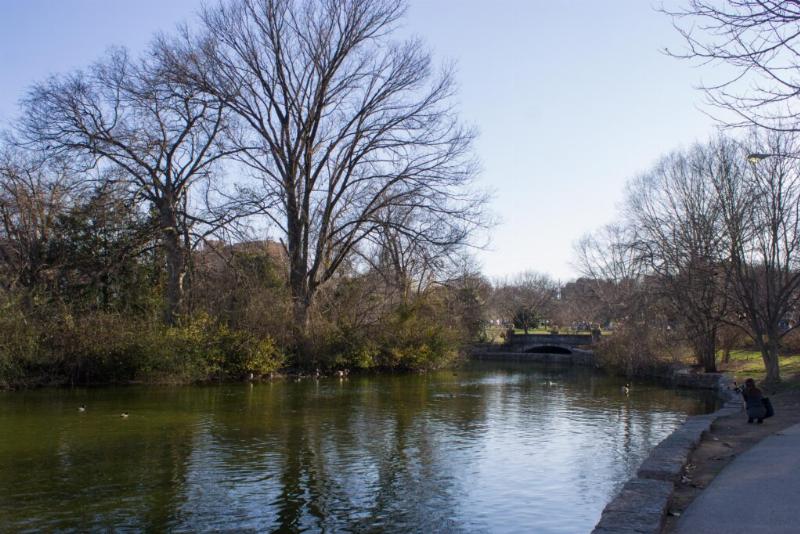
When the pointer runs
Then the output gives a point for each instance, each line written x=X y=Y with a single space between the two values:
x=548 y=349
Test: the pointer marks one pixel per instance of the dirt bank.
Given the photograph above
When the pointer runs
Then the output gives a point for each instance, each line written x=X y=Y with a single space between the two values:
x=729 y=437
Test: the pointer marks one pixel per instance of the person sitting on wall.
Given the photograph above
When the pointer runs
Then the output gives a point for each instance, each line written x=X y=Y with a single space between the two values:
x=753 y=399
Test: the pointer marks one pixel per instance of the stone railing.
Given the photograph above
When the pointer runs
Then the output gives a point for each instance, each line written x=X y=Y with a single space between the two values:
x=518 y=340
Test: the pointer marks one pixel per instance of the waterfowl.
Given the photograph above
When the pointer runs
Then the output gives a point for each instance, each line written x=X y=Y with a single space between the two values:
x=82 y=408
x=626 y=389
x=124 y=415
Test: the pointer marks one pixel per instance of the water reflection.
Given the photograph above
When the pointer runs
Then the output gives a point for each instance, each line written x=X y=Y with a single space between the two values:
x=493 y=447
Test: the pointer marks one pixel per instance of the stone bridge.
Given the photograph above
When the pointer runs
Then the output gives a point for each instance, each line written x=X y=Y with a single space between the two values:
x=564 y=348
x=548 y=343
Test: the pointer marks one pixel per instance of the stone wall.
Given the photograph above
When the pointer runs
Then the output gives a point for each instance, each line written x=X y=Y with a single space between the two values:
x=578 y=357
x=642 y=503
x=685 y=378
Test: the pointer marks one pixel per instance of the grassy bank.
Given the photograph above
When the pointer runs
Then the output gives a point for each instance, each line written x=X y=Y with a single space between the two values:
x=745 y=364
x=107 y=348
x=110 y=348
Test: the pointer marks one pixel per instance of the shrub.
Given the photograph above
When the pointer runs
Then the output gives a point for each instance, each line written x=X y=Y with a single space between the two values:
x=346 y=347
x=19 y=347
x=635 y=349
x=790 y=343
x=415 y=341
x=109 y=348
x=242 y=354
x=409 y=336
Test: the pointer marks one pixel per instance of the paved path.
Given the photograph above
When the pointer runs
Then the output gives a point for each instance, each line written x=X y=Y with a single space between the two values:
x=757 y=492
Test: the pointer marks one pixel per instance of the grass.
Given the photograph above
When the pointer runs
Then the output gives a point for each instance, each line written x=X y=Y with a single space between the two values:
x=748 y=364
x=533 y=331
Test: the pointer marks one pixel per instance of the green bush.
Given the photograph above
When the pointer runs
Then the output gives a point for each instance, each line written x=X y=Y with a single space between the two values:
x=108 y=348
x=346 y=347
x=414 y=340
x=409 y=336
x=242 y=354
x=19 y=347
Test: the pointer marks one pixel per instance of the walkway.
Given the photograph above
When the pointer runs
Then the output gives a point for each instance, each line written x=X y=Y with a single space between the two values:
x=758 y=492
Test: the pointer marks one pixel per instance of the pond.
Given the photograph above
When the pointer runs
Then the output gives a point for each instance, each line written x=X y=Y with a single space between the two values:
x=491 y=447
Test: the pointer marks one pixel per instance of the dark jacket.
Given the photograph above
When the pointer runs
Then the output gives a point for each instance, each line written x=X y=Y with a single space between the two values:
x=755 y=405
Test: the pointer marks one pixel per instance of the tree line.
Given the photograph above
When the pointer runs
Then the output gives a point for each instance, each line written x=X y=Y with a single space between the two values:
x=708 y=241
x=288 y=174
x=287 y=183
x=705 y=251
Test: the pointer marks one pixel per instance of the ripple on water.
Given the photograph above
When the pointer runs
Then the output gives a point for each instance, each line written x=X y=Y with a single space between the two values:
x=499 y=448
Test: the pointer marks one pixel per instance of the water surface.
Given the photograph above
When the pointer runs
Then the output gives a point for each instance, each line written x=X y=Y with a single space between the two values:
x=495 y=447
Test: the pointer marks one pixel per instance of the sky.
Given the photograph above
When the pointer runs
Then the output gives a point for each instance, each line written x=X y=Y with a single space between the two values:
x=571 y=98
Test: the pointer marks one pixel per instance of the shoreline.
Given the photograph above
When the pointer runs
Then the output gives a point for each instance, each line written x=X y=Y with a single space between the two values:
x=684 y=463
x=643 y=502
x=729 y=438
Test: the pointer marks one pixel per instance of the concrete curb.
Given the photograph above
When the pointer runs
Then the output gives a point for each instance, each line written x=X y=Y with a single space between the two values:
x=642 y=503
x=639 y=507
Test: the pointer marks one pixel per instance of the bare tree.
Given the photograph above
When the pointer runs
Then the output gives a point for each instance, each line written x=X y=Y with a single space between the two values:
x=761 y=207
x=342 y=125
x=579 y=305
x=163 y=137
x=680 y=237
x=610 y=264
x=466 y=295
x=32 y=196
x=728 y=338
x=526 y=298
x=409 y=265
x=756 y=41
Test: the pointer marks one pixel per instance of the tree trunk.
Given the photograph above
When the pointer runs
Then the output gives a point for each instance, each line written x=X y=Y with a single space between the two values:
x=176 y=264
x=769 y=353
x=706 y=349
x=301 y=302
x=302 y=296
x=300 y=283
x=188 y=269
x=300 y=327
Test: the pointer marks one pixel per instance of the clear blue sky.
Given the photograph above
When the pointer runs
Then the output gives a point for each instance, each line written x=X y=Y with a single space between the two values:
x=571 y=98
